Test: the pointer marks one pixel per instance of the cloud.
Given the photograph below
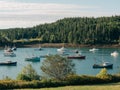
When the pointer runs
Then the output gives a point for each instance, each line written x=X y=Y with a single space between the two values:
x=37 y=8
x=21 y=14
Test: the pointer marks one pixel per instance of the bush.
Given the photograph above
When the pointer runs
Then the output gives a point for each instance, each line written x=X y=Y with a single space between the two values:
x=115 y=78
x=104 y=75
x=23 y=77
x=28 y=74
x=82 y=80
x=70 y=80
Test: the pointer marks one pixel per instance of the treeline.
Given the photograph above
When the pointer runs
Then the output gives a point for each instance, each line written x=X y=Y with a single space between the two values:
x=102 y=30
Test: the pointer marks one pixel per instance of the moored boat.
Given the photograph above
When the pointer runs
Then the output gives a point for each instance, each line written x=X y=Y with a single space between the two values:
x=8 y=63
x=33 y=58
x=93 y=49
x=115 y=54
x=104 y=65
x=76 y=56
x=8 y=49
x=62 y=49
x=9 y=54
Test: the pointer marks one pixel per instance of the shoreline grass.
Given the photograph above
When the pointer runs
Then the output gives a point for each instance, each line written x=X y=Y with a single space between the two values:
x=112 y=86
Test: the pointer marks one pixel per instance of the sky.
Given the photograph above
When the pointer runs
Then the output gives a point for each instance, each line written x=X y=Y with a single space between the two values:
x=29 y=13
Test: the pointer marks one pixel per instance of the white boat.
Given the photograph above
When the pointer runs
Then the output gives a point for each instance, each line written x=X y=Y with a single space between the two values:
x=8 y=49
x=115 y=53
x=9 y=54
x=14 y=48
x=62 y=49
x=93 y=49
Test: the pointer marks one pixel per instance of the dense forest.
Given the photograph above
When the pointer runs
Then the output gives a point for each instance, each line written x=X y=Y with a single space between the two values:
x=76 y=30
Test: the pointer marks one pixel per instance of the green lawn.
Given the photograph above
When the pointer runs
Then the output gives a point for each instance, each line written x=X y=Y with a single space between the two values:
x=115 y=86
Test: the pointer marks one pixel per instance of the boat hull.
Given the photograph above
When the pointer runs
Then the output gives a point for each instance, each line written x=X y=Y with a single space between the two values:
x=76 y=57
x=38 y=49
x=33 y=59
x=8 y=64
x=101 y=66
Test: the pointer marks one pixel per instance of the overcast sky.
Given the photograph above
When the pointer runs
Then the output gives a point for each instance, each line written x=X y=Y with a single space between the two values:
x=28 y=13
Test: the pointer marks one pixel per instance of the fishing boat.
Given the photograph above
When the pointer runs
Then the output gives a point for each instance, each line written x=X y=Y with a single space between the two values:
x=103 y=65
x=33 y=58
x=8 y=63
x=76 y=56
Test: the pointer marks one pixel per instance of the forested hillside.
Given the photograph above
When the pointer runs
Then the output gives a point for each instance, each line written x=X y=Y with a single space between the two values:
x=102 y=30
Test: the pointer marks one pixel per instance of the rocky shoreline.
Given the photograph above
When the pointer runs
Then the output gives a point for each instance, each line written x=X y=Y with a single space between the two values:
x=58 y=45
x=70 y=45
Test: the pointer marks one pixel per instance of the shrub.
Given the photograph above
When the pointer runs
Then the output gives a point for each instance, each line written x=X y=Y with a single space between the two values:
x=28 y=74
x=82 y=80
x=104 y=75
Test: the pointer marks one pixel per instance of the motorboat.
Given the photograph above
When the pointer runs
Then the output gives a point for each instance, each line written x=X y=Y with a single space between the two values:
x=9 y=54
x=8 y=50
x=103 y=65
x=76 y=56
x=8 y=63
x=93 y=49
x=62 y=49
x=115 y=54
x=33 y=58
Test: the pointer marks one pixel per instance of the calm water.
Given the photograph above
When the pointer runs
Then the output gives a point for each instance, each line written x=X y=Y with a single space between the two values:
x=81 y=66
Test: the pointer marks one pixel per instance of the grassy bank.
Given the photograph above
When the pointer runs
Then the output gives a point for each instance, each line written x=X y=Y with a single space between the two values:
x=113 y=86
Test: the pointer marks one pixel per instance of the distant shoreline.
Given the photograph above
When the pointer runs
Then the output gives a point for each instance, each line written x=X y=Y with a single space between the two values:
x=57 y=45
